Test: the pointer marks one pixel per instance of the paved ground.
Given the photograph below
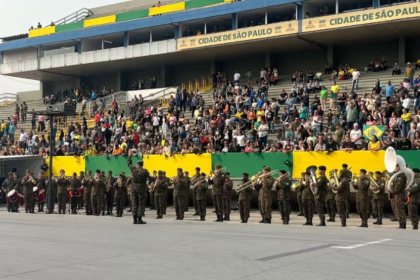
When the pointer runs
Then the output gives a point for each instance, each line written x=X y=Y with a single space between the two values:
x=84 y=247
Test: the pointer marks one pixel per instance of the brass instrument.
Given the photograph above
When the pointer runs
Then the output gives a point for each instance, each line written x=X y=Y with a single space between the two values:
x=373 y=182
x=312 y=169
x=193 y=186
x=254 y=179
x=333 y=179
x=355 y=179
x=173 y=180
x=297 y=185
x=215 y=172
x=284 y=176
x=154 y=185
x=32 y=180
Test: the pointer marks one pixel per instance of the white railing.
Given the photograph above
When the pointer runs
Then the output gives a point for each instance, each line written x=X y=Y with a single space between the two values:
x=8 y=98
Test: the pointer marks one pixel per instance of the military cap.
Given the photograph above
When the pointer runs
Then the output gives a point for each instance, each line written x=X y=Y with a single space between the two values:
x=81 y=172
x=121 y=175
x=160 y=172
x=186 y=172
x=322 y=167
x=416 y=170
x=197 y=168
x=62 y=170
x=283 y=171
x=363 y=171
x=27 y=170
x=203 y=174
x=267 y=168
x=164 y=172
x=140 y=161
x=154 y=171
x=245 y=174
x=97 y=171
x=179 y=169
x=10 y=173
x=302 y=173
x=218 y=166
x=308 y=173
x=227 y=173
x=109 y=171
x=345 y=165
x=378 y=172
x=74 y=174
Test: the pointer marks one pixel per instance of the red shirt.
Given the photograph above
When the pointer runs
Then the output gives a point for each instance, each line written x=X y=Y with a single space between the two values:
x=136 y=139
x=97 y=117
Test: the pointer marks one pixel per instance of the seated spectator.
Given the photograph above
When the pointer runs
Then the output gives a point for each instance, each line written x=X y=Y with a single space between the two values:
x=404 y=144
x=396 y=69
x=384 y=64
x=348 y=145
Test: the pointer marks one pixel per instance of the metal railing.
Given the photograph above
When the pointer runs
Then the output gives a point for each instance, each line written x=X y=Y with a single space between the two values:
x=74 y=17
x=7 y=98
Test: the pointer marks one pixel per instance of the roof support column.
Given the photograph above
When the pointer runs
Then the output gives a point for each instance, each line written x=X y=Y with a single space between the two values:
x=401 y=51
x=375 y=4
x=126 y=39
x=234 y=21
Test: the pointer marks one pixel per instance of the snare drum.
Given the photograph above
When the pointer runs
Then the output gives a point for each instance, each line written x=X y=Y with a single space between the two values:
x=36 y=192
x=74 y=193
x=12 y=196
x=40 y=198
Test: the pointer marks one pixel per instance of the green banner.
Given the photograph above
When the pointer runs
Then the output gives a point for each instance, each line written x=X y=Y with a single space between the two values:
x=411 y=158
x=69 y=26
x=373 y=130
x=238 y=163
x=132 y=15
x=201 y=3
x=116 y=164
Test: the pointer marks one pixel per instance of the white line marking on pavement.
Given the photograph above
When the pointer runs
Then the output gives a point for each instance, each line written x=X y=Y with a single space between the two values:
x=361 y=245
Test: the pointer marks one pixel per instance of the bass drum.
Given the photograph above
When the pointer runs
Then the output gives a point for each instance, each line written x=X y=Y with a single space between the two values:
x=12 y=196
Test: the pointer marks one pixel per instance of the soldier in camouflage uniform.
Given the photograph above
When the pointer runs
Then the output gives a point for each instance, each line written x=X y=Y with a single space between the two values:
x=308 y=200
x=200 y=192
x=28 y=183
x=103 y=203
x=180 y=183
x=299 y=190
x=110 y=193
x=378 y=197
x=340 y=197
x=42 y=186
x=414 y=193
x=194 y=180
x=187 y=190
x=128 y=183
x=397 y=188
x=8 y=185
x=165 y=194
x=87 y=196
x=81 y=199
x=348 y=196
x=362 y=199
x=139 y=178
x=74 y=185
x=244 y=198
x=98 y=192
x=152 y=191
x=217 y=192
x=62 y=195
x=320 y=196
x=119 y=194
x=227 y=192
x=370 y=199
x=265 y=186
x=51 y=195
x=330 y=203
x=283 y=188
x=160 y=186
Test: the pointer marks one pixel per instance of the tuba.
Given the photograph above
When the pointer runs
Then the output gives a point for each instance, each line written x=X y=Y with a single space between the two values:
x=312 y=169
x=333 y=179
x=391 y=161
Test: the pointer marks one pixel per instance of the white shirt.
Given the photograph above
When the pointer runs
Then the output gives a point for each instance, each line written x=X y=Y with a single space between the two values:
x=23 y=137
x=241 y=140
x=263 y=73
x=236 y=77
x=406 y=103
x=355 y=75
x=262 y=130
x=354 y=134
x=155 y=121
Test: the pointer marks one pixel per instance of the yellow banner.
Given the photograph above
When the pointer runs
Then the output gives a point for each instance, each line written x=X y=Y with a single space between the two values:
x=42 y=31
x=100 y=21
x=234 y=36
x=68 y=163
x=186 y=162
x=361 y=17
x=371 y=161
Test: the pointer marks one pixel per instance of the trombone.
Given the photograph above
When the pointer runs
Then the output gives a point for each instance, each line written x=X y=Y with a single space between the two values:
x=173 y=180
x=216 y=172
x=254 y=179
x=284 y=176
x=373 y=182
x=193 y=186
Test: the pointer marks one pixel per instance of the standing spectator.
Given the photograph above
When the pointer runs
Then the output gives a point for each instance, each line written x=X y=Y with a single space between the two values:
x=356 y=134
x=263 y=133
x=316 y=123
x=355 y=77
x=323 y=97
x=352 y=115
x=335 y=89
x=409 y=73
x=41 y=123
x=236 y=77
x=389 y=90
x=22 y=140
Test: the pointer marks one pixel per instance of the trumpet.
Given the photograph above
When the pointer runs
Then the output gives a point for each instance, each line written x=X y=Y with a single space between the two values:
x=216 y=172
x=32 y=180
x=173 y=180
x=297 y=185
x=355 y=179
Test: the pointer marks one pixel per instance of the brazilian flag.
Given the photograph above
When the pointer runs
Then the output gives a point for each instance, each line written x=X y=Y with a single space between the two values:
x=371 y=130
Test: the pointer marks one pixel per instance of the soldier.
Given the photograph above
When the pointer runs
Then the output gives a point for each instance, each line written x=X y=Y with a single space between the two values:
x=244 y=198
x=81 y=200
x=307 y=199
x=180 y=183
x=299 y=190
x=28 y=183
x=51 y=194
x=152 y=191
x=87 y=196
x=120 y=191
x=130 y=208
x=397 y=188
x=62 y=195
x=283 y=188
x=413 y=194
x=98 y=192
x=139 y=178
x=8 y=185
x=103 y=204
x=330 y=203
x=217 y=192
x=322 y=187
x=361 y=185
x=75 y=184
x=348 y=176
x=165 y=194
x=370 y=199
x=200 y=192
x=265 y=185
x=187 y=190
x=378 y=198
x=160 y=186
x=194 y=180
x=341 y=195
x=42 y=186
x=110 y=193
x=227 y=192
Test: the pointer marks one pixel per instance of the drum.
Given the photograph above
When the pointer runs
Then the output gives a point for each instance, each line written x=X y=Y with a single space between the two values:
x=82 y=191
x=36 y=192
x=74 y=193
x=12 y=196
x=40 y=198
x=21 y=201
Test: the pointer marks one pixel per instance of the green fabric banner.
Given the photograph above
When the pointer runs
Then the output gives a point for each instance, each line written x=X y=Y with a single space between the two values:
x=116 y=164
x=132 y=15
x=412 y=158
x=69 y=26
x=238 y=163
x=201 y=3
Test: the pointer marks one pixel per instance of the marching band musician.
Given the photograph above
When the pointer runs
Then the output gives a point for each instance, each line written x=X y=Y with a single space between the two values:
x=128 y=183
x=98 y=192
x=299 y=190
x=152 y=191
x=165 y=195
x=160 y=186
x=378 y=198
x=414 y=192
x=307 y=200
x=361 y=185
x=399 y=196
x=283 y=188
x=120 y=191
x=103 y=192
x=341 y=195
x=227 y=192
x=349 y=176
x=264 y=195
x=330 y=203
x=8 y=185
x=180 y=183
x=187 y=190
x=51 y=194
x=74 y=185
x=110 y=193
x=28 y=183
x=244 y=199
x=80 y=199
x=195 y=179
x=217 y=191
x=322 y=187
x=87 y=196
x=62 y=185
x=200 y=192
x=42 y=186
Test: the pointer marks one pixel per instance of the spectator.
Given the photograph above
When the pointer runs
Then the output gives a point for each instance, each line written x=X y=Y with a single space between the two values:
x=374 y=144
x=356 y=134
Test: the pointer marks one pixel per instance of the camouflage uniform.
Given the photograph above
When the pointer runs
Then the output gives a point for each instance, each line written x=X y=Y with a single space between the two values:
x=227 y=192
x=8 y=185
x=194 y=180
x=362 y=199
x=119 y=196
x=42 y=185
x=299 y=190
x=244 y=199
x=28 y=194
x=165 y=195
x=160 y=188
x=97 y=195
x=340 y=199
x=217 y=194
x=139 y=188
x=307 y=201
x=398 y=190
x=62 y=194
x=378 y=200
x=75 y=184
x=186 y=192
x=331 y=205
x=349 y=175
x=87 y=196
x=81 y=199
x=51 y=195
x=414 y=203
x=284 y=196
x=128 y=183
x=179 y=196
x=322 y=185
x=370 y=204
x=264 y=197
x=200 y=192
x=152 y=193
x=110 y=194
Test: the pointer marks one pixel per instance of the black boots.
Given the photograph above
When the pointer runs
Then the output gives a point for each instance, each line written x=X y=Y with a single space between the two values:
x=394 y=220
x=202 y=218
x=196 y=213
x=140 y=221
x=268 y=221
x=300 y=214
x=343 y=222
x=322 y=223
x=262 y=221
x=307 y=222
x=219 y=218
x=378 y=221
x=134 y=219
x=416 y=226
x=402 y=226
